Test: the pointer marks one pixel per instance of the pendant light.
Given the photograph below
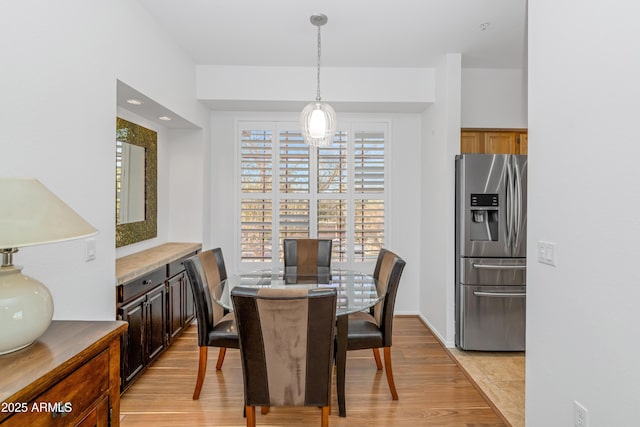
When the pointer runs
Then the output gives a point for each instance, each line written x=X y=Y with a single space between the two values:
x=318 y=119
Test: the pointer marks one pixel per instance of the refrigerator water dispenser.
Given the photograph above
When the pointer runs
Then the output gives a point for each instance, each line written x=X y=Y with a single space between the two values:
x=484 y=217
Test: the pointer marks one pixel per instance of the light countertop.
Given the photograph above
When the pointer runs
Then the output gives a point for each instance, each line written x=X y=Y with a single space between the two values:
x=135 y=265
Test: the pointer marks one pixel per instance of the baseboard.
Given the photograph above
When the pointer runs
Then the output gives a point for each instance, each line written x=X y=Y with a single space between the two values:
x=445 y=343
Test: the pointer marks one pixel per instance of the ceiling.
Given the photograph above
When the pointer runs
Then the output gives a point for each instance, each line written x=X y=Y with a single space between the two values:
x=359 y=33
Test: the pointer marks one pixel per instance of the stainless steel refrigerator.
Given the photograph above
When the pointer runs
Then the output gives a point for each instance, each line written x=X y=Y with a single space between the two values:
x=491 y=244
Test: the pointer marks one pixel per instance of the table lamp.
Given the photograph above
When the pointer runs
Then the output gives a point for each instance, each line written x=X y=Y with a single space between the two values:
x=30 y=214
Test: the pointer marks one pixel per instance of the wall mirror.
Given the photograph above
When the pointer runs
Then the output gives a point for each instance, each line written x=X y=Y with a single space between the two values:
x=136 y=183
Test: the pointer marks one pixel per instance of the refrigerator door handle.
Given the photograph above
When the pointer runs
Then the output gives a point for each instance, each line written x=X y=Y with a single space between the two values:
x=500 y=294
x=499 y=267
x=518 y=203
x=510 y=205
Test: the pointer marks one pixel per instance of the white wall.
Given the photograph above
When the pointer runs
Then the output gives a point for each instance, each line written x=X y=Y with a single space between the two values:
x=582 y=315
x=289 y=88
x=405 y=217
x=404 y=204
x=494 y=98
x=60 y=62
x=440 y=144
x=186 y=186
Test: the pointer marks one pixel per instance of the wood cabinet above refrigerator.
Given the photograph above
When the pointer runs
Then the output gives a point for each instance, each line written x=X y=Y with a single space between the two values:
x=493 y=141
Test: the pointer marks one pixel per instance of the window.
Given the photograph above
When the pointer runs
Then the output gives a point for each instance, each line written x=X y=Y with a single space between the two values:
x=289 y=190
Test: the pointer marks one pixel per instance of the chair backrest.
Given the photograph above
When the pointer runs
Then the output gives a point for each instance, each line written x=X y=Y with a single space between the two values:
x=388 y=271
x=286 y=344
x=205 y=271
x=307 y=256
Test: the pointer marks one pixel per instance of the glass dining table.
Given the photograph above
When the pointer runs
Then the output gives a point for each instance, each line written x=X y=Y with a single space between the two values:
x=356 y=291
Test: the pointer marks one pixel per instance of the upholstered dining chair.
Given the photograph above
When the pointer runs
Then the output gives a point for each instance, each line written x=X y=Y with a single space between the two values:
x=307 y=256
x=215 y=327
x=286 y=347
x=374 y=329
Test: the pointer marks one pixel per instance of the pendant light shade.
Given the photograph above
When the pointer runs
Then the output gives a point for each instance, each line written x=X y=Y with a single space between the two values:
x=318 y=124
x=318 y=119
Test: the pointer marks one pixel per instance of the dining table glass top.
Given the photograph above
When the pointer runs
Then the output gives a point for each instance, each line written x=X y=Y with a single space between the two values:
x=356 y=291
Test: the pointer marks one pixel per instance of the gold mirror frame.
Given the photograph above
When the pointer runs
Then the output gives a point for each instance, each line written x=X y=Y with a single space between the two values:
x=133 y=232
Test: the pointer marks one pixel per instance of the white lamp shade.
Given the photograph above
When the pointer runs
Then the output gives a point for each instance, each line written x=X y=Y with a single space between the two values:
x=30 y=214
x=318 y=124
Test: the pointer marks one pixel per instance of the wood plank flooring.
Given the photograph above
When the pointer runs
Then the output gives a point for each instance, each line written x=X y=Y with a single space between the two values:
x=433 y=390
x=500 y=376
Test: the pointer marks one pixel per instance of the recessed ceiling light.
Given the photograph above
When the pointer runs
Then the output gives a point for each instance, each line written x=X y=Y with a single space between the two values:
x=134 y=101
x=485 y=25
x=165 y=118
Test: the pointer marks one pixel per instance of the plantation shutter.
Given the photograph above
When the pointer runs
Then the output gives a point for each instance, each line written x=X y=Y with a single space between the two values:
x=256 y=186
x=333 y=180
x=294 y=175
x=369 y=179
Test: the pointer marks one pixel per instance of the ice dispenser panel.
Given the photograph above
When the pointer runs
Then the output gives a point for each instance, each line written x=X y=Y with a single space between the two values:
x=483 y=224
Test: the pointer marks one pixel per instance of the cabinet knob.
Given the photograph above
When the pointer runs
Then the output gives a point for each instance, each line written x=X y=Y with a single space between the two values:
x=147 y=282
x=61 y=409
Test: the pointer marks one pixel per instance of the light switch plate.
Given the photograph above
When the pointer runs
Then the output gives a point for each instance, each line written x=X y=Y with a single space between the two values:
x=89 y=249
x=547 y=253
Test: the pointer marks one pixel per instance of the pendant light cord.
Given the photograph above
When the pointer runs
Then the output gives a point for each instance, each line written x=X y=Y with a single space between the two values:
x=318 y=70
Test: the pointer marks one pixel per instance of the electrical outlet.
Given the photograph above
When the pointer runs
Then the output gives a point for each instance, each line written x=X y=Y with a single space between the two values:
x=580 y=414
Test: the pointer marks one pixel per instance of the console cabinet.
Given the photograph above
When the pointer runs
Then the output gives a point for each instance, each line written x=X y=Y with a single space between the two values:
x=154 y=297
x=69 y=377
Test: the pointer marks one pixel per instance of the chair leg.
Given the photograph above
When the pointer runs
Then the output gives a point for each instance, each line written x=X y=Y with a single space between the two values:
x=325 y=416
x=202 y=370
x=223 y=351
x=251 y=416
x=264 y=410
x=389 y=371
x=376 y=355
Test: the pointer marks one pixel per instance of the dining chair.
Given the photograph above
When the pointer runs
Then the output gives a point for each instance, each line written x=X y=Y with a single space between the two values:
x=215 y=327
x=286 y=347
x=307 y=256
x=374 y=329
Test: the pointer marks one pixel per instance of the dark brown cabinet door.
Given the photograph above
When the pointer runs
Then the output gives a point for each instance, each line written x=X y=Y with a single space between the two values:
x=132 y=359
x=176 y=306
x=146 y=337
x=181 y=308
x=189 y=305
x=156 y=326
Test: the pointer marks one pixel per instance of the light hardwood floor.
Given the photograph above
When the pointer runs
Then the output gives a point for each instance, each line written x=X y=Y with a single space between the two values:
x=500 y=376
x=433 y=390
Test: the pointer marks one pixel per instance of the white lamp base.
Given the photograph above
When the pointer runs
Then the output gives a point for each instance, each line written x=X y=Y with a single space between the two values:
x=26 y=309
